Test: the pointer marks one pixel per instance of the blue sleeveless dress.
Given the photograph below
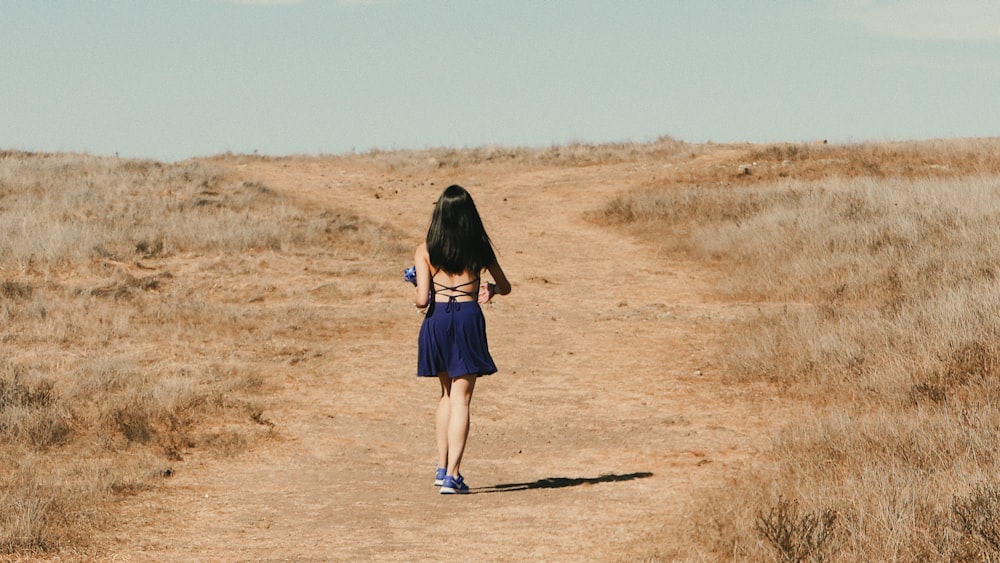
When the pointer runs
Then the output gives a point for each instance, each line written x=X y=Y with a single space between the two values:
x=453 y=335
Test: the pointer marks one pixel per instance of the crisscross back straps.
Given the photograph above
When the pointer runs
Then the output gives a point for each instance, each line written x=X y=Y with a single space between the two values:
x=456 y=291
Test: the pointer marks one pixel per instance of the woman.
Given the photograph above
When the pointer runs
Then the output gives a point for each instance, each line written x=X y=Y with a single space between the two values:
x=452 y=344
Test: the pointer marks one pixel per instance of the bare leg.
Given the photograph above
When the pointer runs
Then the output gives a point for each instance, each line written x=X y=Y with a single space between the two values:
x=458 y=421
x=441 y=421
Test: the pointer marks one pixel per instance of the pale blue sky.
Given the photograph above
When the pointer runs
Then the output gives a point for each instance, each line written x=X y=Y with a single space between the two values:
x=171 y=79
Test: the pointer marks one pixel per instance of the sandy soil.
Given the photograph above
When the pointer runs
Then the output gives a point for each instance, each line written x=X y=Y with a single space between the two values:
x=603 y=426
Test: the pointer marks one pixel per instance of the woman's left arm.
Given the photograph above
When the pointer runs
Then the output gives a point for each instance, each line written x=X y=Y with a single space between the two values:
x=500 y=286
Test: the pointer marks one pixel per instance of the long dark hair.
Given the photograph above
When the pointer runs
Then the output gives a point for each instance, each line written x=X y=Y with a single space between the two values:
x=456 y=240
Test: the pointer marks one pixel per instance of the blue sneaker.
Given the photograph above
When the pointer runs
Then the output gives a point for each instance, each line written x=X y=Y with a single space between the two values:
x=439 y=476
x=454 y=486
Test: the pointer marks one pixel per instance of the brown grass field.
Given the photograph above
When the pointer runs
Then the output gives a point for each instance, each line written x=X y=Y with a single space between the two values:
x=713 y=352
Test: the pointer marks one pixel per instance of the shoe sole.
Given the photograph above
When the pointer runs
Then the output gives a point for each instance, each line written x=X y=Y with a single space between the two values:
x=438 y=482
x=451 y=491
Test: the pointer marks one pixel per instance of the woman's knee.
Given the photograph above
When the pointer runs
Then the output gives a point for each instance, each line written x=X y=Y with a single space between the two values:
x=462 y=387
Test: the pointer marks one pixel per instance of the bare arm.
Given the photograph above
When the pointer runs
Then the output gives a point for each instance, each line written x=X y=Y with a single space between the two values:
x=501 y=287
x=422 y=261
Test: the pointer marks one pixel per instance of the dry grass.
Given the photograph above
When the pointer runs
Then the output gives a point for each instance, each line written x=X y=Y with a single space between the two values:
x=127 y=342
x=144 y=306
x=557 y=156
x=876 y=271
x=60 y=211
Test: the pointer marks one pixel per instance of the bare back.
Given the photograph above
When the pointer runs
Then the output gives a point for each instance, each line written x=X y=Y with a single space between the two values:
x=432 y=283
x=463 y=287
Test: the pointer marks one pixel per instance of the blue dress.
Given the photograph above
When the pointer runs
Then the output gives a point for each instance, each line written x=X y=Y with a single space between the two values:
x=453 y=335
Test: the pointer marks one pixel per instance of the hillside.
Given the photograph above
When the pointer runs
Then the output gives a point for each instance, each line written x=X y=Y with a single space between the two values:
x=255 y=318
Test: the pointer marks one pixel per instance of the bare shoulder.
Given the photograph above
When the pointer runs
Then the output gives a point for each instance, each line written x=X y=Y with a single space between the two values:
x=421 y=249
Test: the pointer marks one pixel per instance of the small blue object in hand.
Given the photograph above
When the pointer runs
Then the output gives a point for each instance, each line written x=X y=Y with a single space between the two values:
x=410 y=275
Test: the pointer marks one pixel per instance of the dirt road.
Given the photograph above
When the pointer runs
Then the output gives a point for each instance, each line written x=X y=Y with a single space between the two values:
x=605 y=422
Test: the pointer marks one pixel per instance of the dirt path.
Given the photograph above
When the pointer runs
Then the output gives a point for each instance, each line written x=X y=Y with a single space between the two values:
x=601 y=428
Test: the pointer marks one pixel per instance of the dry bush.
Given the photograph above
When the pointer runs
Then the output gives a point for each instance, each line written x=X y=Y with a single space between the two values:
x=797 y=536
x=130 y=296
x=875 y=271
x=977 y=517
x=30 y=413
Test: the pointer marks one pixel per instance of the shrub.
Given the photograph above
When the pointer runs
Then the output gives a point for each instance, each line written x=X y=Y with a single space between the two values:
x=797 y=535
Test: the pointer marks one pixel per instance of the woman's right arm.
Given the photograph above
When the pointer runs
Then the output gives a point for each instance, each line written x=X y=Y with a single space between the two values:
x=422 y=261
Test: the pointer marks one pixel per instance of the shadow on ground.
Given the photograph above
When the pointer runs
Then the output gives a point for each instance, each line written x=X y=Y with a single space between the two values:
x=561 y=482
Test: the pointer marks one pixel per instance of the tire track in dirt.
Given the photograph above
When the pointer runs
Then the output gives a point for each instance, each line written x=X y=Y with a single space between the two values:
x=591 y=443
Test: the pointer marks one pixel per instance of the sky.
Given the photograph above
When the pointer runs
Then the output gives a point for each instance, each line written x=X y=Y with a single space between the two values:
x=173 y=79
